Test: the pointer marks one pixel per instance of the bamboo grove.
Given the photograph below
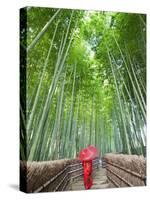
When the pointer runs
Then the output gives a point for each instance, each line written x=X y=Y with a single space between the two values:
x=85 y=83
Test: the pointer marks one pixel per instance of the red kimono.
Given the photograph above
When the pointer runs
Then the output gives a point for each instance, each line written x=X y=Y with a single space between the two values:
x=87 y=169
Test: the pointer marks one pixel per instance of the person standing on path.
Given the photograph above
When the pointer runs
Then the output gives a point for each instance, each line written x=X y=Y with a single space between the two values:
x=86 y=156
x=87 y=170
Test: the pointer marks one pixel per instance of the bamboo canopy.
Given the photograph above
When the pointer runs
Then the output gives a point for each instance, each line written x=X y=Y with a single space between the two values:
x=83 y=82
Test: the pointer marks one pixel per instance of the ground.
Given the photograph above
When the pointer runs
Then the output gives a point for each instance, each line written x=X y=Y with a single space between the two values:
x=100 y=181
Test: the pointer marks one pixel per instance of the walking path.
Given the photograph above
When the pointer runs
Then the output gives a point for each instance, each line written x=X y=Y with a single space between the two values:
x=100 y=181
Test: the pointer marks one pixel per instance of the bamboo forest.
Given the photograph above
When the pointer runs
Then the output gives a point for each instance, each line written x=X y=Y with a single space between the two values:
x=85 y=83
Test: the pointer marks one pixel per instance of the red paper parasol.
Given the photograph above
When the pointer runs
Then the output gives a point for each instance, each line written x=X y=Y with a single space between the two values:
x=88 y=153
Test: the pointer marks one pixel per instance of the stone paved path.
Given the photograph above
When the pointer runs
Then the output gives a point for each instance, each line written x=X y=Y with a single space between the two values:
x=99 y=181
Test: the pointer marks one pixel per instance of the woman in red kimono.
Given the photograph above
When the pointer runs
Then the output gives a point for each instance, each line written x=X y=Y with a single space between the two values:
x=87 y=169
x=86 y=156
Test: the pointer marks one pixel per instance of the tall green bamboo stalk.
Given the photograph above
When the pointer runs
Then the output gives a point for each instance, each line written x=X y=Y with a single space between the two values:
x=120 y=104
x=41 y=33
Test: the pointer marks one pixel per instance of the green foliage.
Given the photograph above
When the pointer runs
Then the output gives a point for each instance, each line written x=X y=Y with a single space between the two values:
x=85 y=97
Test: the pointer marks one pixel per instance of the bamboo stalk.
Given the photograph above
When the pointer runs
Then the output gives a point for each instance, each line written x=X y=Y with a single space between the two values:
x=142 y=108
x=29 y=124
x=49 y=98
x=121 y=109
x=41 y=33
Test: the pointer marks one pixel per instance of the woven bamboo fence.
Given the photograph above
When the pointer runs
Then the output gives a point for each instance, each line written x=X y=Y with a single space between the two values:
x=125 y=170
x=51 y=176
